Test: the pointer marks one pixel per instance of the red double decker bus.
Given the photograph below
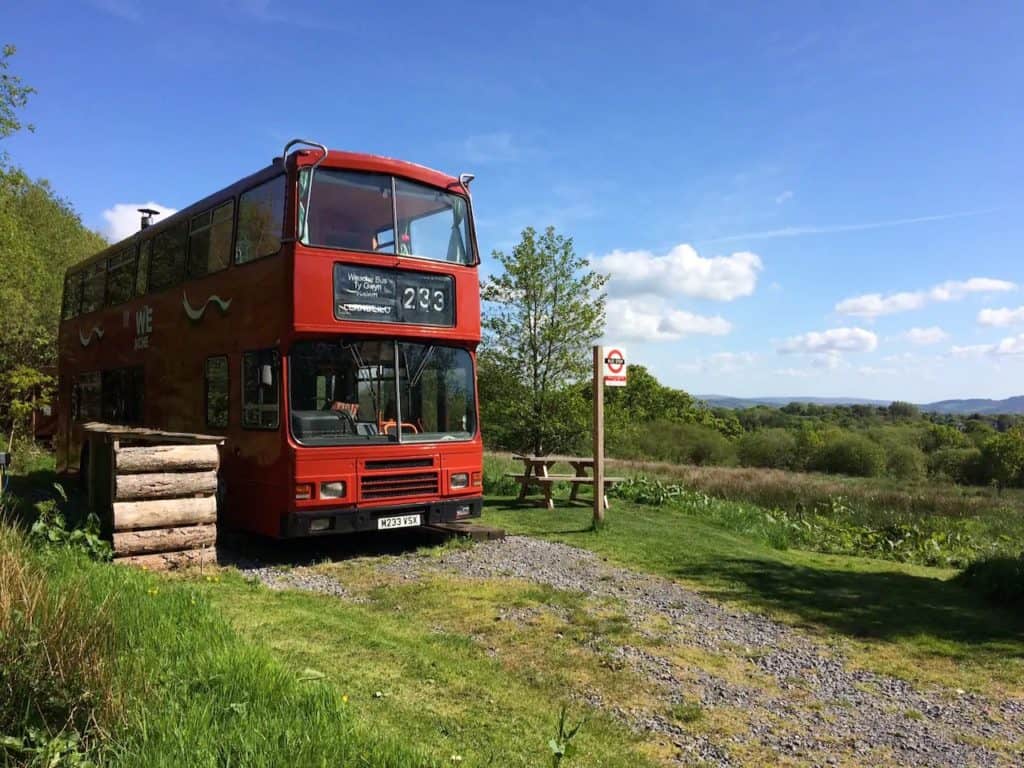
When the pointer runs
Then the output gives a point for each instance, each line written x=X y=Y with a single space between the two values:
x=323 y=315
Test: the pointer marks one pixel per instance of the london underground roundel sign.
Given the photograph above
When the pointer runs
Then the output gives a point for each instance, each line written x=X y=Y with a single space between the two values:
x=615 y=366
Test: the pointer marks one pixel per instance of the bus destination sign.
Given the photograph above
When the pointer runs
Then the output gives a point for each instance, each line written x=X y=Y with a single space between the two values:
x=377 y=295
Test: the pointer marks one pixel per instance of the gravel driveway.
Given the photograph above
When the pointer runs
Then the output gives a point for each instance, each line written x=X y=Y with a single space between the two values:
x=818 y=711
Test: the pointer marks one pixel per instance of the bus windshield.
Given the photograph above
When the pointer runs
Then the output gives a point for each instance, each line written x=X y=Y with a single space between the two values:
x=370 y=391
x=358 y=211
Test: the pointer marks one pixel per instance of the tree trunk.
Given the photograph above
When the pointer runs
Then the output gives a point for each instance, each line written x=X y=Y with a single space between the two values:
x=170 y=561
x=164 y=513
x=164 y=540
x=165 y=485
x=167 y=458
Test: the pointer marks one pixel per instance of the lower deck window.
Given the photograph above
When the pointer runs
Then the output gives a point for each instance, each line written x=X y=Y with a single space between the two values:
x=217 y=392
x=261 y=385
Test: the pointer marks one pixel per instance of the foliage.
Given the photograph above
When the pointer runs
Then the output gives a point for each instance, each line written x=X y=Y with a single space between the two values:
x=848 y=453
x=13 y=96
x=999 y=579
x=1003 y=457
x=960 y=465
x=774 y=448
x=905 y=462
x=50 y=529
x=561 y=745
x=542 y=313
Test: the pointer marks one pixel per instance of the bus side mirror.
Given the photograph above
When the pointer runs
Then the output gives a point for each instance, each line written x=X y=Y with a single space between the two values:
x=266 y=376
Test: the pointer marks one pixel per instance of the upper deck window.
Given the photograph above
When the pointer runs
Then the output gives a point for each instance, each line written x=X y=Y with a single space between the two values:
x=167 y=261
x=357 y=211
x=72 y=295
x=121 y=280
x=209 y=247
x=94 y=286
x=260 y=221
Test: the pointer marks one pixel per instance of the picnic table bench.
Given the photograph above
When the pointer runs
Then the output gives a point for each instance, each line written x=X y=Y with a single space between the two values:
x=537 y=473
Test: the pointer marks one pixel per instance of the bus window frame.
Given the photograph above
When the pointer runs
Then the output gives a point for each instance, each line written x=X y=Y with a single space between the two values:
x=227 y=392
x=470 y=227
x=134 y=247
x=282 y=240
x=278 y=362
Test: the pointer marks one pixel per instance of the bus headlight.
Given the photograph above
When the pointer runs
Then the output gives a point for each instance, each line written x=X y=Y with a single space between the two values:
x=459 y=480
x=333 y=490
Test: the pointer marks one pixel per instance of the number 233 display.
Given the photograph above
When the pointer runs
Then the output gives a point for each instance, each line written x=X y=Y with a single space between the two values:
x=393 y=296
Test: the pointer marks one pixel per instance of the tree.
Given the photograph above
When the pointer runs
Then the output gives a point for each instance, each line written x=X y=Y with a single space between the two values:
x=542 y=314
x=13 y=96
x=1003 y=458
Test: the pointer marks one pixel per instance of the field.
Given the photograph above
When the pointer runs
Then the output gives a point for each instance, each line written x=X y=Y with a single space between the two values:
x=409 y=658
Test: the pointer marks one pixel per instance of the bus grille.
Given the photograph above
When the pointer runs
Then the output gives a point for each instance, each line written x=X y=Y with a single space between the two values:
x=399 y=484
x=399 y=463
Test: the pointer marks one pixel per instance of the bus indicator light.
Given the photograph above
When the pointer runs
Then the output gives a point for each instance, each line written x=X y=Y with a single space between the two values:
x=303 y=491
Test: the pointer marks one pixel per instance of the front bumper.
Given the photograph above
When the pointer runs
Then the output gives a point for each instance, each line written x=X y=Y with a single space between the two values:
x=297 y=524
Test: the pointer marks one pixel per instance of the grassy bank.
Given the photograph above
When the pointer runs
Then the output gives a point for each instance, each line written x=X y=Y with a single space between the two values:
x=112 y=665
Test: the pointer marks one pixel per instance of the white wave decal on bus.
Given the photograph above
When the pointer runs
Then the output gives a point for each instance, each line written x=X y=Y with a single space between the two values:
x=96 y=331
x=197 y=314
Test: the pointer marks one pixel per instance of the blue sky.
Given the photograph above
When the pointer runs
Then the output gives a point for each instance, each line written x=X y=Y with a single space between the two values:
x=791 y=198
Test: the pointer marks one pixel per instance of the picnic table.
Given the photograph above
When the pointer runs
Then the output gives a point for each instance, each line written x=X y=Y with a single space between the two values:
x=537 y=473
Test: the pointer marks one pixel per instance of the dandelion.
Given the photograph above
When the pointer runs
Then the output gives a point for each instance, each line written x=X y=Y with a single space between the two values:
x=344 y=698
x=152 y=591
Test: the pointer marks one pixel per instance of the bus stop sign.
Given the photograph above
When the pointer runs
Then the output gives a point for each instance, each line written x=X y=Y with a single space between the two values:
x=615 y=366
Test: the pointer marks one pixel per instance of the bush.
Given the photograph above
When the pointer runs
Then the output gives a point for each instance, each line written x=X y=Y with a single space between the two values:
x=1000 y=579
x=772 y=448
x=961 y=465
x=905 y=462
x=675 y=442
x=846 y=453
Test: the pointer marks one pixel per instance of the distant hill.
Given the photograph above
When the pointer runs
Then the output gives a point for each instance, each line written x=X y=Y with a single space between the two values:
x=724 y=401
x=977 y=405
x=964 y=407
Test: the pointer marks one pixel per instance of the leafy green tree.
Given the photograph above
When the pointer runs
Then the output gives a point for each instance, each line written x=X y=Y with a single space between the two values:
x=898 y=410
x=1003 y=458
x=849 y=453
x=905 y=462
x=40 y=236
x=541 y=316
x=13 y=96
x=774 y=448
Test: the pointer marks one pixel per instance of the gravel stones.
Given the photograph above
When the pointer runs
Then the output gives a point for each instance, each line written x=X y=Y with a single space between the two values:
x=818 y=710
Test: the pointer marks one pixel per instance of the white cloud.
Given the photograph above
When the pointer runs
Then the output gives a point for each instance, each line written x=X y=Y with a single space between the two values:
x=875 y=304
x=798 y=373
x=681 y=271
x=651 y=320
x=1011 y=346
x=123 y=218
x=829 y=361
x=924 y=336
x=1001 y=317
x=831 y=341
x=721 y=363
x=872 y=305
x=783 y=197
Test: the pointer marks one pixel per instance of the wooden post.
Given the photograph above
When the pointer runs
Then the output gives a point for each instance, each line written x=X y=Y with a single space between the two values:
x=598 y=426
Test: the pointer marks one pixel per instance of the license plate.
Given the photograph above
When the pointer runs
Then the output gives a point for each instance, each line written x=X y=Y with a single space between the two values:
x=401 y=521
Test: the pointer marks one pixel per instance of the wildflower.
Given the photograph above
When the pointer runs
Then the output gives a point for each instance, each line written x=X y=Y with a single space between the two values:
x=344 y=698
x=456 y=758
x=152 y=591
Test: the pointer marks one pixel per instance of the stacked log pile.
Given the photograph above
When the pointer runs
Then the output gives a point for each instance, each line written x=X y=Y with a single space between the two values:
x=157 y=493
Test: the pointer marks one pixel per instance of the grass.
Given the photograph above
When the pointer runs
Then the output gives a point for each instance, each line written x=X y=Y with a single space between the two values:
x=908 y=620
x=139 y=670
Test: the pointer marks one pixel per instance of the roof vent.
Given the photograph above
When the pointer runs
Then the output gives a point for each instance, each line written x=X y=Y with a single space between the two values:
x=147 y=216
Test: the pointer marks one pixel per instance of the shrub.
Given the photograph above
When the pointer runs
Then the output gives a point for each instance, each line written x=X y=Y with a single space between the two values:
x=905 y=462
x=773 y=448
x=675 y=442
x=1000 y=579
x=846 y=453
x=961 y=465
